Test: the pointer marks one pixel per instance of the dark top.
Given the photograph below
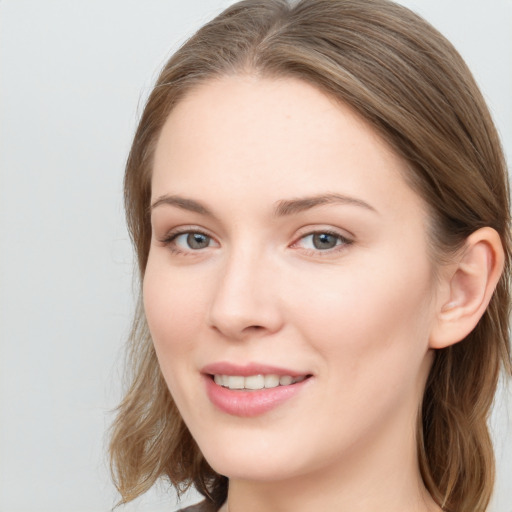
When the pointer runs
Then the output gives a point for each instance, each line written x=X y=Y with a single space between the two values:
x=204 y=506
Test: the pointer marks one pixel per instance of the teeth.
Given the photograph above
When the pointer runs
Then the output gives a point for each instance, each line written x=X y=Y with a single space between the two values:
x=285 y=380
x=271 y=381
x=235 y=382
x=255 y=382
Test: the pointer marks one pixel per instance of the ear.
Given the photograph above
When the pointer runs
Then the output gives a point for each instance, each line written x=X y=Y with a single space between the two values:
x=468 y=287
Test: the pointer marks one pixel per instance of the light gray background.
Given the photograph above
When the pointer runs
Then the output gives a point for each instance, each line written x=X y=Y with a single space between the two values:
x=73 y=78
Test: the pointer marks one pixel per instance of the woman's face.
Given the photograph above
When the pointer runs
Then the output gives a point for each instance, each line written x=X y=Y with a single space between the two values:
x=287 y=252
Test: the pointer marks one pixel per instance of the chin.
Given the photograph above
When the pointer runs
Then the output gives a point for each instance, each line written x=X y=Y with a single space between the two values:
x=255 y=469
x=249 y=459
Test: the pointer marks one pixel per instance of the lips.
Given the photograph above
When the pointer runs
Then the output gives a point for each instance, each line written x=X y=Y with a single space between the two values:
x=253 y=389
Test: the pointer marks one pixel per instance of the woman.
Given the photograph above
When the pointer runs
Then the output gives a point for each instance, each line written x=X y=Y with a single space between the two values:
x=319 y=204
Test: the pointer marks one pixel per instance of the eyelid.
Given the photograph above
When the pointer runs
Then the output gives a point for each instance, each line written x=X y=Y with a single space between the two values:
x=324 y=228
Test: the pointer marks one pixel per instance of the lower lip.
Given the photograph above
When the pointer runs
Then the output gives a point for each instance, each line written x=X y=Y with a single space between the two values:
x=250 y=403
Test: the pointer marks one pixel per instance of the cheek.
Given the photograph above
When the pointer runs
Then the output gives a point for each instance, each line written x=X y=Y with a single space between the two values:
x=377 y=321
x=173 y=303
x=173 y=306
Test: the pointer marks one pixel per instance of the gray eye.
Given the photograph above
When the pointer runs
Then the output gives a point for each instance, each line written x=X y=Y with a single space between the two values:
x=198 y=240
x=324 y=241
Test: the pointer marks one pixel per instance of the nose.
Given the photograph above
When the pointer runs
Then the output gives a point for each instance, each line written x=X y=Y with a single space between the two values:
x=245 y=302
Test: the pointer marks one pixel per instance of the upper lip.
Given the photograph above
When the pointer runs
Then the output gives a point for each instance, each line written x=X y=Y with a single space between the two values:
x=227 y=368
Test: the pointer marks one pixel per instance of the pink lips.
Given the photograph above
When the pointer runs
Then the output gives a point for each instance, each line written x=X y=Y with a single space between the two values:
x=249 y=403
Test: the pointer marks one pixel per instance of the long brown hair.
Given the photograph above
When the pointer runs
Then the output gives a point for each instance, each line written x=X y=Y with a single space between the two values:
x=411 y=85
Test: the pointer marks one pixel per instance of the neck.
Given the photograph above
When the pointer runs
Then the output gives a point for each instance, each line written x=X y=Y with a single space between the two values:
x=324 y=494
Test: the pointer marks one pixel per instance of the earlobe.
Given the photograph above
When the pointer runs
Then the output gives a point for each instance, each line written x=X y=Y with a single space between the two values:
x=471 y=282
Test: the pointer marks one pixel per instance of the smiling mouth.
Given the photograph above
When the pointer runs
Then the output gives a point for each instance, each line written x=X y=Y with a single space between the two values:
x=256 y=382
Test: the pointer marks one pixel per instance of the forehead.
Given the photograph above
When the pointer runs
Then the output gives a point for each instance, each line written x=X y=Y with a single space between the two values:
x=259 y=137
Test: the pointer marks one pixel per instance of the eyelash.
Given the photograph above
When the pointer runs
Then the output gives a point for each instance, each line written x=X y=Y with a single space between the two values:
x=170 y=238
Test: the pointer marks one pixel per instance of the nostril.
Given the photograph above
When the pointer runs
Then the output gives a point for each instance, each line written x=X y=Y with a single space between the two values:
x=253 y=328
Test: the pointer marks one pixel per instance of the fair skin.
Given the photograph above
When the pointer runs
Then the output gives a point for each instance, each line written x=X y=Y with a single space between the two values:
x=337 y=291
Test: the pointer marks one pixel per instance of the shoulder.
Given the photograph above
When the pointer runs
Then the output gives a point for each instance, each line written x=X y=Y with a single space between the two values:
x=203 y=506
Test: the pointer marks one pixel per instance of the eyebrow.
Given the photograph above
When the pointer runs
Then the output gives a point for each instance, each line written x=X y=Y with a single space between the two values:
x=292 y=206
x=282 y=208
x=183 y=203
